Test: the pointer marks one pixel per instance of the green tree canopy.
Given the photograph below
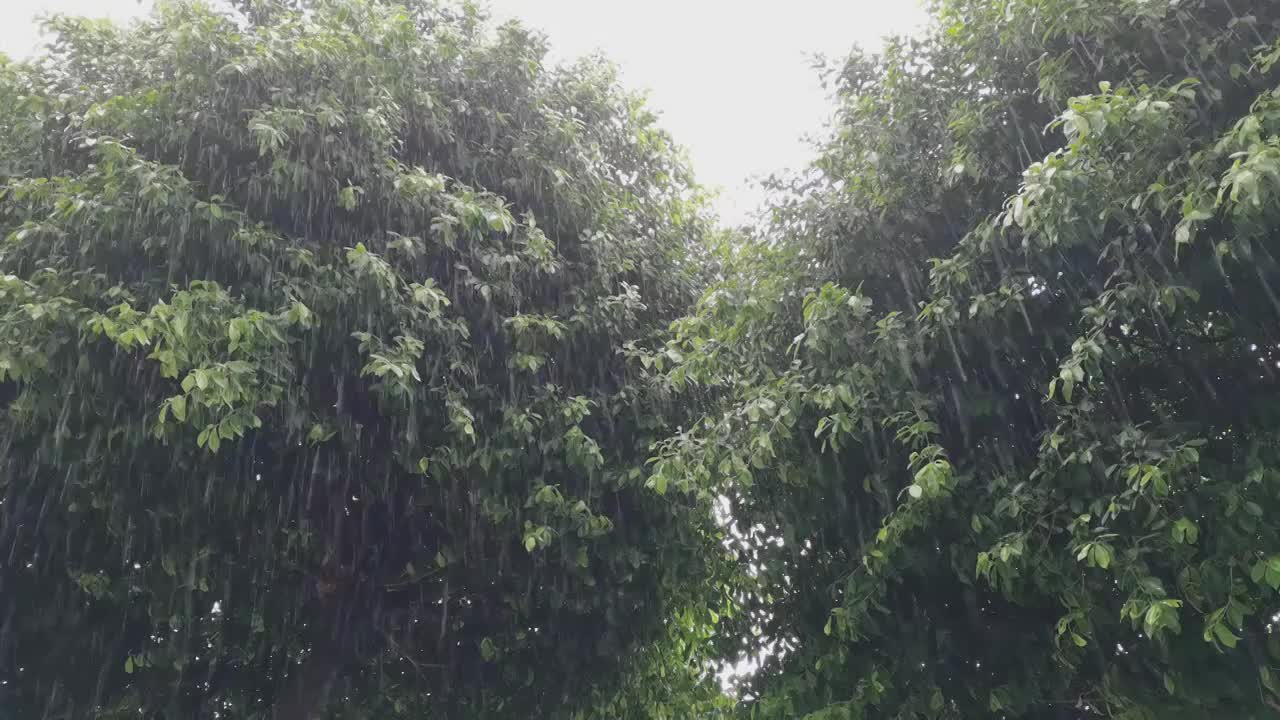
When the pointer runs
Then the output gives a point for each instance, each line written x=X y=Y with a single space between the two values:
x=352 y=364
x=992 y=398
x=322 y=361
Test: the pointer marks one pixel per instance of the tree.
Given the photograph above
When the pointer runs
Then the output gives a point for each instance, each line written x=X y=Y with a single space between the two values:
x=323 y=341
x=992 y=398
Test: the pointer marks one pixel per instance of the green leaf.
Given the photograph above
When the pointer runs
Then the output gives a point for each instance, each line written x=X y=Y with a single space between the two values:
x=178 y=404
x=1185 y=531
x=1102 y=555
x=1225 y=636
x=1182 y=234
x=1267 y=678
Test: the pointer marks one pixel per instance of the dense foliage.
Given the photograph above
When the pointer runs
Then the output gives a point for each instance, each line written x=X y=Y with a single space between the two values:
x=353 y=365
x=322 y=364
x=994 y=393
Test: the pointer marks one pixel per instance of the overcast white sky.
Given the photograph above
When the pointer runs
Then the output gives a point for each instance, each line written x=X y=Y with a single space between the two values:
x=732 y=79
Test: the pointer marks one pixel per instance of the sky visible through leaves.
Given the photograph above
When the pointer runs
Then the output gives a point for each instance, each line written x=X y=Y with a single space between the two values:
x=734 y=81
